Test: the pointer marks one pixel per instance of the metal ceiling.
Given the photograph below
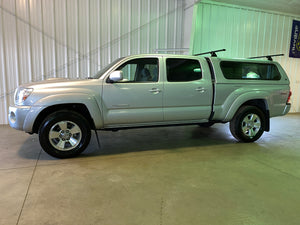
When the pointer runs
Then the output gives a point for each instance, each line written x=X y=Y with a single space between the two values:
x=285 y=6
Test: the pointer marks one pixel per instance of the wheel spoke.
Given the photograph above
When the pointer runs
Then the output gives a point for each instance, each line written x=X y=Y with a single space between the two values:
x=75 y=130
x=63 y=125
x=73 y=141
x=53 y=134
x=251 y=132
x=61 y=144
x=250 y=117
x=254 y=118
x=257 y=125
x=246 y=119
x=245 y=129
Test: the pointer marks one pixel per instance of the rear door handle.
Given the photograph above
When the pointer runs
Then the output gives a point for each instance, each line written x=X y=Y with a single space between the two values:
x=155 y=90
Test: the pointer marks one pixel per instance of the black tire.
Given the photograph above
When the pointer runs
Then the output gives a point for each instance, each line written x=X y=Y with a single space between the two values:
x=206 y=125
x=64 y=134
x=248 y=124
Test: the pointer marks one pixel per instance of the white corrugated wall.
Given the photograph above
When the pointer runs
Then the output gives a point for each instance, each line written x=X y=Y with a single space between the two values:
x=41 y=39
x=246 y=32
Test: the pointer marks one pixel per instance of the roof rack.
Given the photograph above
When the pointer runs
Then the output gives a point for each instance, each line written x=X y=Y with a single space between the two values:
x=269 y=57
x=212 y=53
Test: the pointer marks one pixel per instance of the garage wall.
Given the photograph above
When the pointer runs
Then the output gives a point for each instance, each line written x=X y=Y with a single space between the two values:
x=246 y=32
x=41 y=39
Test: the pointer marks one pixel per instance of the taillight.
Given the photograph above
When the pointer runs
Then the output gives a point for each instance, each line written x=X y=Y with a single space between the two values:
x=289 y=98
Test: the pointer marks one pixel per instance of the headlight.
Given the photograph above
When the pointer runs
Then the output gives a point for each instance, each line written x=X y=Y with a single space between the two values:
x=22 y=94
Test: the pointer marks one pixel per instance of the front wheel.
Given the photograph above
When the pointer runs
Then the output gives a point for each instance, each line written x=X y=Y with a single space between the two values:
x=248 y=124
x=64 y=134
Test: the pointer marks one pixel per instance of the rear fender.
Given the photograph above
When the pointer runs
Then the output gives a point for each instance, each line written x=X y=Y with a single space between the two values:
x=243 y=99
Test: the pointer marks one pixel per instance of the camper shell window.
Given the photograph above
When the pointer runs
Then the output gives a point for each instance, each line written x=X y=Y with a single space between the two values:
x=250 y=71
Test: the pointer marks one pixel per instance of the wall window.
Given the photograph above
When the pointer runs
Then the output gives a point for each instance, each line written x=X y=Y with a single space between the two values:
x=183 y=70
x=252 y=71
x=140 y=70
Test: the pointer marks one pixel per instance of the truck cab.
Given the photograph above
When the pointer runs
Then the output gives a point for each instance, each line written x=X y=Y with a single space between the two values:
x=157 y=90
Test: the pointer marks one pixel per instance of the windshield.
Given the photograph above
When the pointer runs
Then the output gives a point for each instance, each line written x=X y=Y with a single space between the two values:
x=106 y=68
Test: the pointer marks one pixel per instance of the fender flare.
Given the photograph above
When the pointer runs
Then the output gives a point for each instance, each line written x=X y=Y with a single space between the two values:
x=61 y=99
x=242 y=99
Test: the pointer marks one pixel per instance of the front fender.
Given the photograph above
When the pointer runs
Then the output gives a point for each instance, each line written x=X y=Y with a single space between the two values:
x=59 y=99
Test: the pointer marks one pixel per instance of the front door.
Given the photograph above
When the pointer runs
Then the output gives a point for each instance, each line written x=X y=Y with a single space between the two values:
x=137 y=99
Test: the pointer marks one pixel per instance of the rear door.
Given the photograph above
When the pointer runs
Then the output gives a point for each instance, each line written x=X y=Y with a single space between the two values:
x=187 y=90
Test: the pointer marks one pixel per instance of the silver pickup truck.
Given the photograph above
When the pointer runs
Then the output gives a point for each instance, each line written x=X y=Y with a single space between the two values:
x=153 y=90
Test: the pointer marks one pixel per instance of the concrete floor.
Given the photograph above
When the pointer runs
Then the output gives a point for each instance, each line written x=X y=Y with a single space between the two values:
x=159 y=176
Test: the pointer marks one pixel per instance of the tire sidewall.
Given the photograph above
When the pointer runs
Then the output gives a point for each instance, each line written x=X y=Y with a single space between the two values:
x=236 y=125
x=54 y=118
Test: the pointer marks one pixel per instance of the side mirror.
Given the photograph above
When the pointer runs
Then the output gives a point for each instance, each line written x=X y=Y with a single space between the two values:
x=116 y=76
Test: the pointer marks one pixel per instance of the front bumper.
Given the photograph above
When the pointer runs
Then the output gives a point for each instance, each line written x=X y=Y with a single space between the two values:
x=17 y=116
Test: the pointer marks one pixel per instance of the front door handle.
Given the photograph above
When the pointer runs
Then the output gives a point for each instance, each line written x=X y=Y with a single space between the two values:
x=155 y=90
x=200 y=89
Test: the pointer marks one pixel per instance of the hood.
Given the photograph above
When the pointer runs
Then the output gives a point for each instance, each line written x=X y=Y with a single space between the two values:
x=56 y=82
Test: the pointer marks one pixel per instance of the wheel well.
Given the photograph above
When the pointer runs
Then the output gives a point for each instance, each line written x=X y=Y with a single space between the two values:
x=79 y=108
x=263 y=106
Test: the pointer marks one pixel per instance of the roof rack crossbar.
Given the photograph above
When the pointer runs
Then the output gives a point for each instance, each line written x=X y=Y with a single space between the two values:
x=269 y=57
x=212 y=53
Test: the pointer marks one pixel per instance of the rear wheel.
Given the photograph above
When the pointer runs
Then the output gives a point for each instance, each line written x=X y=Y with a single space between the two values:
x=248 y=124
x=64 y=134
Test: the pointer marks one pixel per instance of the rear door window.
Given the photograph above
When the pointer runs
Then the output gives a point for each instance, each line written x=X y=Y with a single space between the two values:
x=183 y=70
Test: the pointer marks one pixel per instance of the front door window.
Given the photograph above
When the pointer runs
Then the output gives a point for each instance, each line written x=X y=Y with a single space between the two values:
x=140 y=70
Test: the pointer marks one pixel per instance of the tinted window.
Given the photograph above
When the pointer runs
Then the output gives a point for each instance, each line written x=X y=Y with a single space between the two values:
x=253 y=71
x=140 y=70
x=180 y=70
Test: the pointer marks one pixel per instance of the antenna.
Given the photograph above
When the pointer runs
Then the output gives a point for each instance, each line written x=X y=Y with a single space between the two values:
x=269 y=57
x=212 y=53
